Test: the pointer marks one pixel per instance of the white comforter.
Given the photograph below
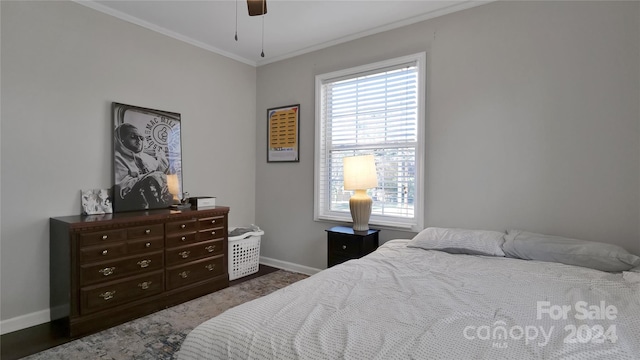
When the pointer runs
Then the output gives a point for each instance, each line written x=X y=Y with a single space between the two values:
x=408 y=303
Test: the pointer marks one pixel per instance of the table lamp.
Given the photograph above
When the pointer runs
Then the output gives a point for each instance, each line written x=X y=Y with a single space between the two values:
x=174 y=188
x=360 y=175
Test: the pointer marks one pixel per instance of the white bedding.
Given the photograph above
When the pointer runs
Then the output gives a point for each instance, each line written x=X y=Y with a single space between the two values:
x=409 y=303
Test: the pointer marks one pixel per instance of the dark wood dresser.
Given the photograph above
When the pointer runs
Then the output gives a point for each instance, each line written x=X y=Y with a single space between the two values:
x=109 y=269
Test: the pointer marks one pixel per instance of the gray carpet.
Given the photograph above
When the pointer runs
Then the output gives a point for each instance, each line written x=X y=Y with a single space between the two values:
x=159 y=335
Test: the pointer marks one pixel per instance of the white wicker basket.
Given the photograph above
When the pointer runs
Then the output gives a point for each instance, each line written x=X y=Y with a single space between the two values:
x=244 y=254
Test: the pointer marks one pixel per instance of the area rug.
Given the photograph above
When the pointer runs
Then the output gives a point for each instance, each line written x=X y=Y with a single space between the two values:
x=159 y=335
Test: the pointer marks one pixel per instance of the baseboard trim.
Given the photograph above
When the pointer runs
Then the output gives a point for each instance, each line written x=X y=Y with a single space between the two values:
x=44 y=316
x=25 y=321
x=284 y=265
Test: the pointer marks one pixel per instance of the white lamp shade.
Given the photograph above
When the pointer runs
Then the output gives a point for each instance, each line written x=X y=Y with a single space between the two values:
x=359 y=172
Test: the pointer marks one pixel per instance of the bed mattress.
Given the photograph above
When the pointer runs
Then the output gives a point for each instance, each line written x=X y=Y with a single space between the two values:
x=409 y=303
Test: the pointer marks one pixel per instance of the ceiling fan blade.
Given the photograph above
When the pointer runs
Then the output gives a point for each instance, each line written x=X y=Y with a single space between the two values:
x=257 y=7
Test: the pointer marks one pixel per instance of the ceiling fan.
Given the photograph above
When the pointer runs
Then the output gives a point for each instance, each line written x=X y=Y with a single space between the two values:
x=257 y=7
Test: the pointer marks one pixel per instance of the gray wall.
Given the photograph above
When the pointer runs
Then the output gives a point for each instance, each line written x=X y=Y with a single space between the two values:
x=62 y=66
x=532 y=123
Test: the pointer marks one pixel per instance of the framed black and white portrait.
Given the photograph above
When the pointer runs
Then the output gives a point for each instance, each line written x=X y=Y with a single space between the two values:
x=147 y=158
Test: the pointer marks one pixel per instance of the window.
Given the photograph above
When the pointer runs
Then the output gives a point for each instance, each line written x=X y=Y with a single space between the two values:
x=373 y=109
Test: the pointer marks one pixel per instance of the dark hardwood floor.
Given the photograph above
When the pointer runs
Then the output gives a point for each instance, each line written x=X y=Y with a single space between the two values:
x=21 y=343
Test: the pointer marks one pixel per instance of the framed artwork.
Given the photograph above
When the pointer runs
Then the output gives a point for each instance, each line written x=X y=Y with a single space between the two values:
x=96 y=201
x=283 y=131
x=147 y=158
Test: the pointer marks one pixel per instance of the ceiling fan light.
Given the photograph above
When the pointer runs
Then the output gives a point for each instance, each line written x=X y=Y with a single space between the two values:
x=257 y=7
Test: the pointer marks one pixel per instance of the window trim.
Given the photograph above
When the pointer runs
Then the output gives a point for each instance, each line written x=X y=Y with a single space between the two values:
x=417 y=223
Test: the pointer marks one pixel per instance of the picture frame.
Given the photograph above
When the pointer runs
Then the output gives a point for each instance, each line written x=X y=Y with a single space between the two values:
x=283 y=134
x=96 y=201
x=147 y=158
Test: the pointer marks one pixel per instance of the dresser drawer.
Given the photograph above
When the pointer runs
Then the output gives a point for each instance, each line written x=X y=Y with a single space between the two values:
x=94 y=298
x=132 y=265
x=212 y=222
x=192 y=252
x=102 y=237
x=106 y=251
x=346 y=245
x=210 y=234
x=180 y=239
x=182 y=226
x=145 y=232
x=178 y=276
x=144 y=245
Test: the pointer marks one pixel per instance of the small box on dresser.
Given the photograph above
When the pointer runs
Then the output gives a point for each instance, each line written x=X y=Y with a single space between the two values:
x=109 y=269
x=202 y=202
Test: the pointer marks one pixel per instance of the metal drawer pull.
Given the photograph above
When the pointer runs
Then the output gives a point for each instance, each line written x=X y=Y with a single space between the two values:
x=213 y=221
x=183 y=238
x=147 y=245
x=144 y=263
x=107 y=271
x=183 y=226
x=148 y=231
x=210 y=267
x=184 y=274
x=107 y=295
x=184 y=254
x=344 y=247
x=104 y=252
x=104 y=237
x=144 y=285
x=213 y=233
x=210 y=248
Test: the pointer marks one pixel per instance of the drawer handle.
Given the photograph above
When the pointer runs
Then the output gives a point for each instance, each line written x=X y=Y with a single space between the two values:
x=107 y=271
x=183 y=238
x=213 y=233
x=184 y=254
x=210 y=267
x=210 y=248
x=184 y=274
x=344 y=247
x=104 y=237
x=144 y=263
x=104 y=252
x=213 y=221
x=183 y=226
x=144 y=285
x=107 y=295
x=147 y=245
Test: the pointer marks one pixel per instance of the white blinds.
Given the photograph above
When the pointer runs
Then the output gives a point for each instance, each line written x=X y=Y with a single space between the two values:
x=374 y=112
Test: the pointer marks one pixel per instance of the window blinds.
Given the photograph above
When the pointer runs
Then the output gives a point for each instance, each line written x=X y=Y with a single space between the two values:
x=373 y=112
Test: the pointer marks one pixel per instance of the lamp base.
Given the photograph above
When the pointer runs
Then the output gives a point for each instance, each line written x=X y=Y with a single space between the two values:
x=360 y=206
x=180 y=206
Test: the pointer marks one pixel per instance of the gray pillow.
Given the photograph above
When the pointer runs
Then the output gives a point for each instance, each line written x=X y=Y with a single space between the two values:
x=590 y=254
x=460 y=241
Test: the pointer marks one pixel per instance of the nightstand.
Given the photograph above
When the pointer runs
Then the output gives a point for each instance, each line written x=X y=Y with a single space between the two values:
x=345 y=244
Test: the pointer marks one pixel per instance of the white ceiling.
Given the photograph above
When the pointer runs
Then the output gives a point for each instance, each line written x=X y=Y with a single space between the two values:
x=291 y=27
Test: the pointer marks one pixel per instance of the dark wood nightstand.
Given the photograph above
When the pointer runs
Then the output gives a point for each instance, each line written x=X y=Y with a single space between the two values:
x=346 y=244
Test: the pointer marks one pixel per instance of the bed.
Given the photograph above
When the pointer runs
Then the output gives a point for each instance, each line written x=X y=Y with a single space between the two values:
x=406 y=302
